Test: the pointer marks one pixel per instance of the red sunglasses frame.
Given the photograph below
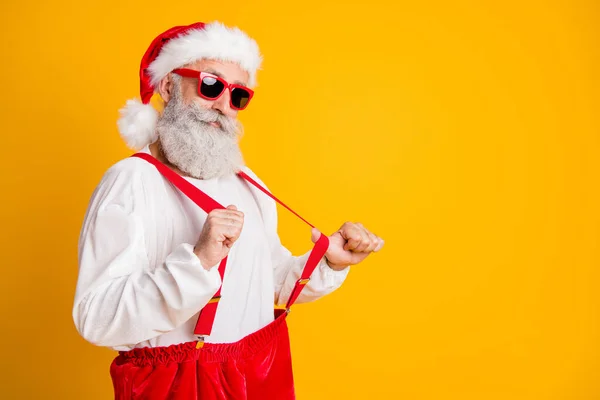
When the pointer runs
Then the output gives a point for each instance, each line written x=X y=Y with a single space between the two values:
x=192 y=73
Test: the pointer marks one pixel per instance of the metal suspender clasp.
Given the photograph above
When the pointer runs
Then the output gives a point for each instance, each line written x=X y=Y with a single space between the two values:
x=303 y=281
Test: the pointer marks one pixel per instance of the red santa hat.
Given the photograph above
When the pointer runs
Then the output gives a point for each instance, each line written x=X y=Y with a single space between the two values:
x=173 y=49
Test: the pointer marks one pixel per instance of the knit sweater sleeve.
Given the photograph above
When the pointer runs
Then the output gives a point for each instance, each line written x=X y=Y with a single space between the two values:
x=120 y=298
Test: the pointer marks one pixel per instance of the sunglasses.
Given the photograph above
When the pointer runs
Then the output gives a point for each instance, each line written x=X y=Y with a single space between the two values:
x=211 y=87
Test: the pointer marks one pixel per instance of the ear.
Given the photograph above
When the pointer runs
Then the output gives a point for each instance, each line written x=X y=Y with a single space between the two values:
x=165 y=87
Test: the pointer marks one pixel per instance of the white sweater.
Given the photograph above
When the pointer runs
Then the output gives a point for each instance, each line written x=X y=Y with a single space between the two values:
x=140 y=284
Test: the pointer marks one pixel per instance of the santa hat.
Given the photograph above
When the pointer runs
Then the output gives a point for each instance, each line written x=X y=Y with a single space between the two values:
x=173 y=49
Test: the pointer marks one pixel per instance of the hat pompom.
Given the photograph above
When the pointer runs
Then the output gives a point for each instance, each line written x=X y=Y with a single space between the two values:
x=137 y=124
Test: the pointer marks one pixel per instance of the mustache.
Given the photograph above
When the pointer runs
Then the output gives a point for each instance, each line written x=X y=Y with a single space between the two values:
x=203 y=115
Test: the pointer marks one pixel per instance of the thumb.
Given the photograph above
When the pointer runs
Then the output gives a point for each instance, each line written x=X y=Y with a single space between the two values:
x=315 y=235
x=232 y=207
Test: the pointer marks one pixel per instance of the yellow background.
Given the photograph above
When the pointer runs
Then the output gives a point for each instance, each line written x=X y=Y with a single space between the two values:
x=465 y=133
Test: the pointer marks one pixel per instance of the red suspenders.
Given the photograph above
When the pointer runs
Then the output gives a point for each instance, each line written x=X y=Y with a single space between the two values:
x=207 y=315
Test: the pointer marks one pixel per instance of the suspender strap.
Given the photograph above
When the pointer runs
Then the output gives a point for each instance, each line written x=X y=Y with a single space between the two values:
x=207 y=203
x=315 y=256
x=262 y=189
x=203 y=200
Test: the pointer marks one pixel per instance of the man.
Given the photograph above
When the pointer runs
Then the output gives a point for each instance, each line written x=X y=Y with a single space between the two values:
x=182 y=286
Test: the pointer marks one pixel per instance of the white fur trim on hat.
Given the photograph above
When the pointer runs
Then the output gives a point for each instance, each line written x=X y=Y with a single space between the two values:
x=137 y=124
x=214 y=41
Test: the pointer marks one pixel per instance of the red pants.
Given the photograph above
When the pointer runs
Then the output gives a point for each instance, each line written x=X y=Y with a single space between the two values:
x=258 y=367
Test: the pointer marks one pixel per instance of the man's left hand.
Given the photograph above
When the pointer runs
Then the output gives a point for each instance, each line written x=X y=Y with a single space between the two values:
x=351 y=244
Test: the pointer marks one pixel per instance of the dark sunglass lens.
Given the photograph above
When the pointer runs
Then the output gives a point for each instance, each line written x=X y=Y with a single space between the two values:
x=240 y=98
x=211 y=87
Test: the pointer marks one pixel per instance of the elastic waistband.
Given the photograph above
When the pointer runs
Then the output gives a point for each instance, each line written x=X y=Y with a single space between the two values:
x=210 y=352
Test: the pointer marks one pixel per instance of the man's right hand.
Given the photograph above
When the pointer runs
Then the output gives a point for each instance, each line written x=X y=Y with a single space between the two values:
x=220 y=231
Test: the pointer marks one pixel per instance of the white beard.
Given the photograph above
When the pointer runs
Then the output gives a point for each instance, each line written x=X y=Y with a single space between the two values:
x=195 y=147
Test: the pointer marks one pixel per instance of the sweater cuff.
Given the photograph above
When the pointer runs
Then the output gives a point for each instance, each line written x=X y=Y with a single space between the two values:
x=329 y=276
x=184 y=254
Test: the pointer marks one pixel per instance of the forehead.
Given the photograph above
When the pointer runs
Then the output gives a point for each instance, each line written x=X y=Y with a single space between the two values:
x=227 y=70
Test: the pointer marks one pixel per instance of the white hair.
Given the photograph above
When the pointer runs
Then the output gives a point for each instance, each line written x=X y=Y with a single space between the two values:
x=193 y=145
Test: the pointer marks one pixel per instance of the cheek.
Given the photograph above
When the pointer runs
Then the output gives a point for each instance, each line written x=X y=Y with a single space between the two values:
x=189 y=95
x=200 y=101
x=230 y=112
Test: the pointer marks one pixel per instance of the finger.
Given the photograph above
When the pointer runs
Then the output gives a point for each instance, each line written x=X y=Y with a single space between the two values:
x=365 y=240
x=374 y=242
x=233 y=211
x=231 y=233
x=231 y=207
x=380 y=244
x=228 y=222
x=227 y=211
x=352 y=235
x=237 y=215
x=314 y=235
x=362 y=240
x=221 y=228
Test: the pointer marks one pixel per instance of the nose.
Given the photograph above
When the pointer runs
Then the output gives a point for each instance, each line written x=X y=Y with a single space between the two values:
x=223 y=105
